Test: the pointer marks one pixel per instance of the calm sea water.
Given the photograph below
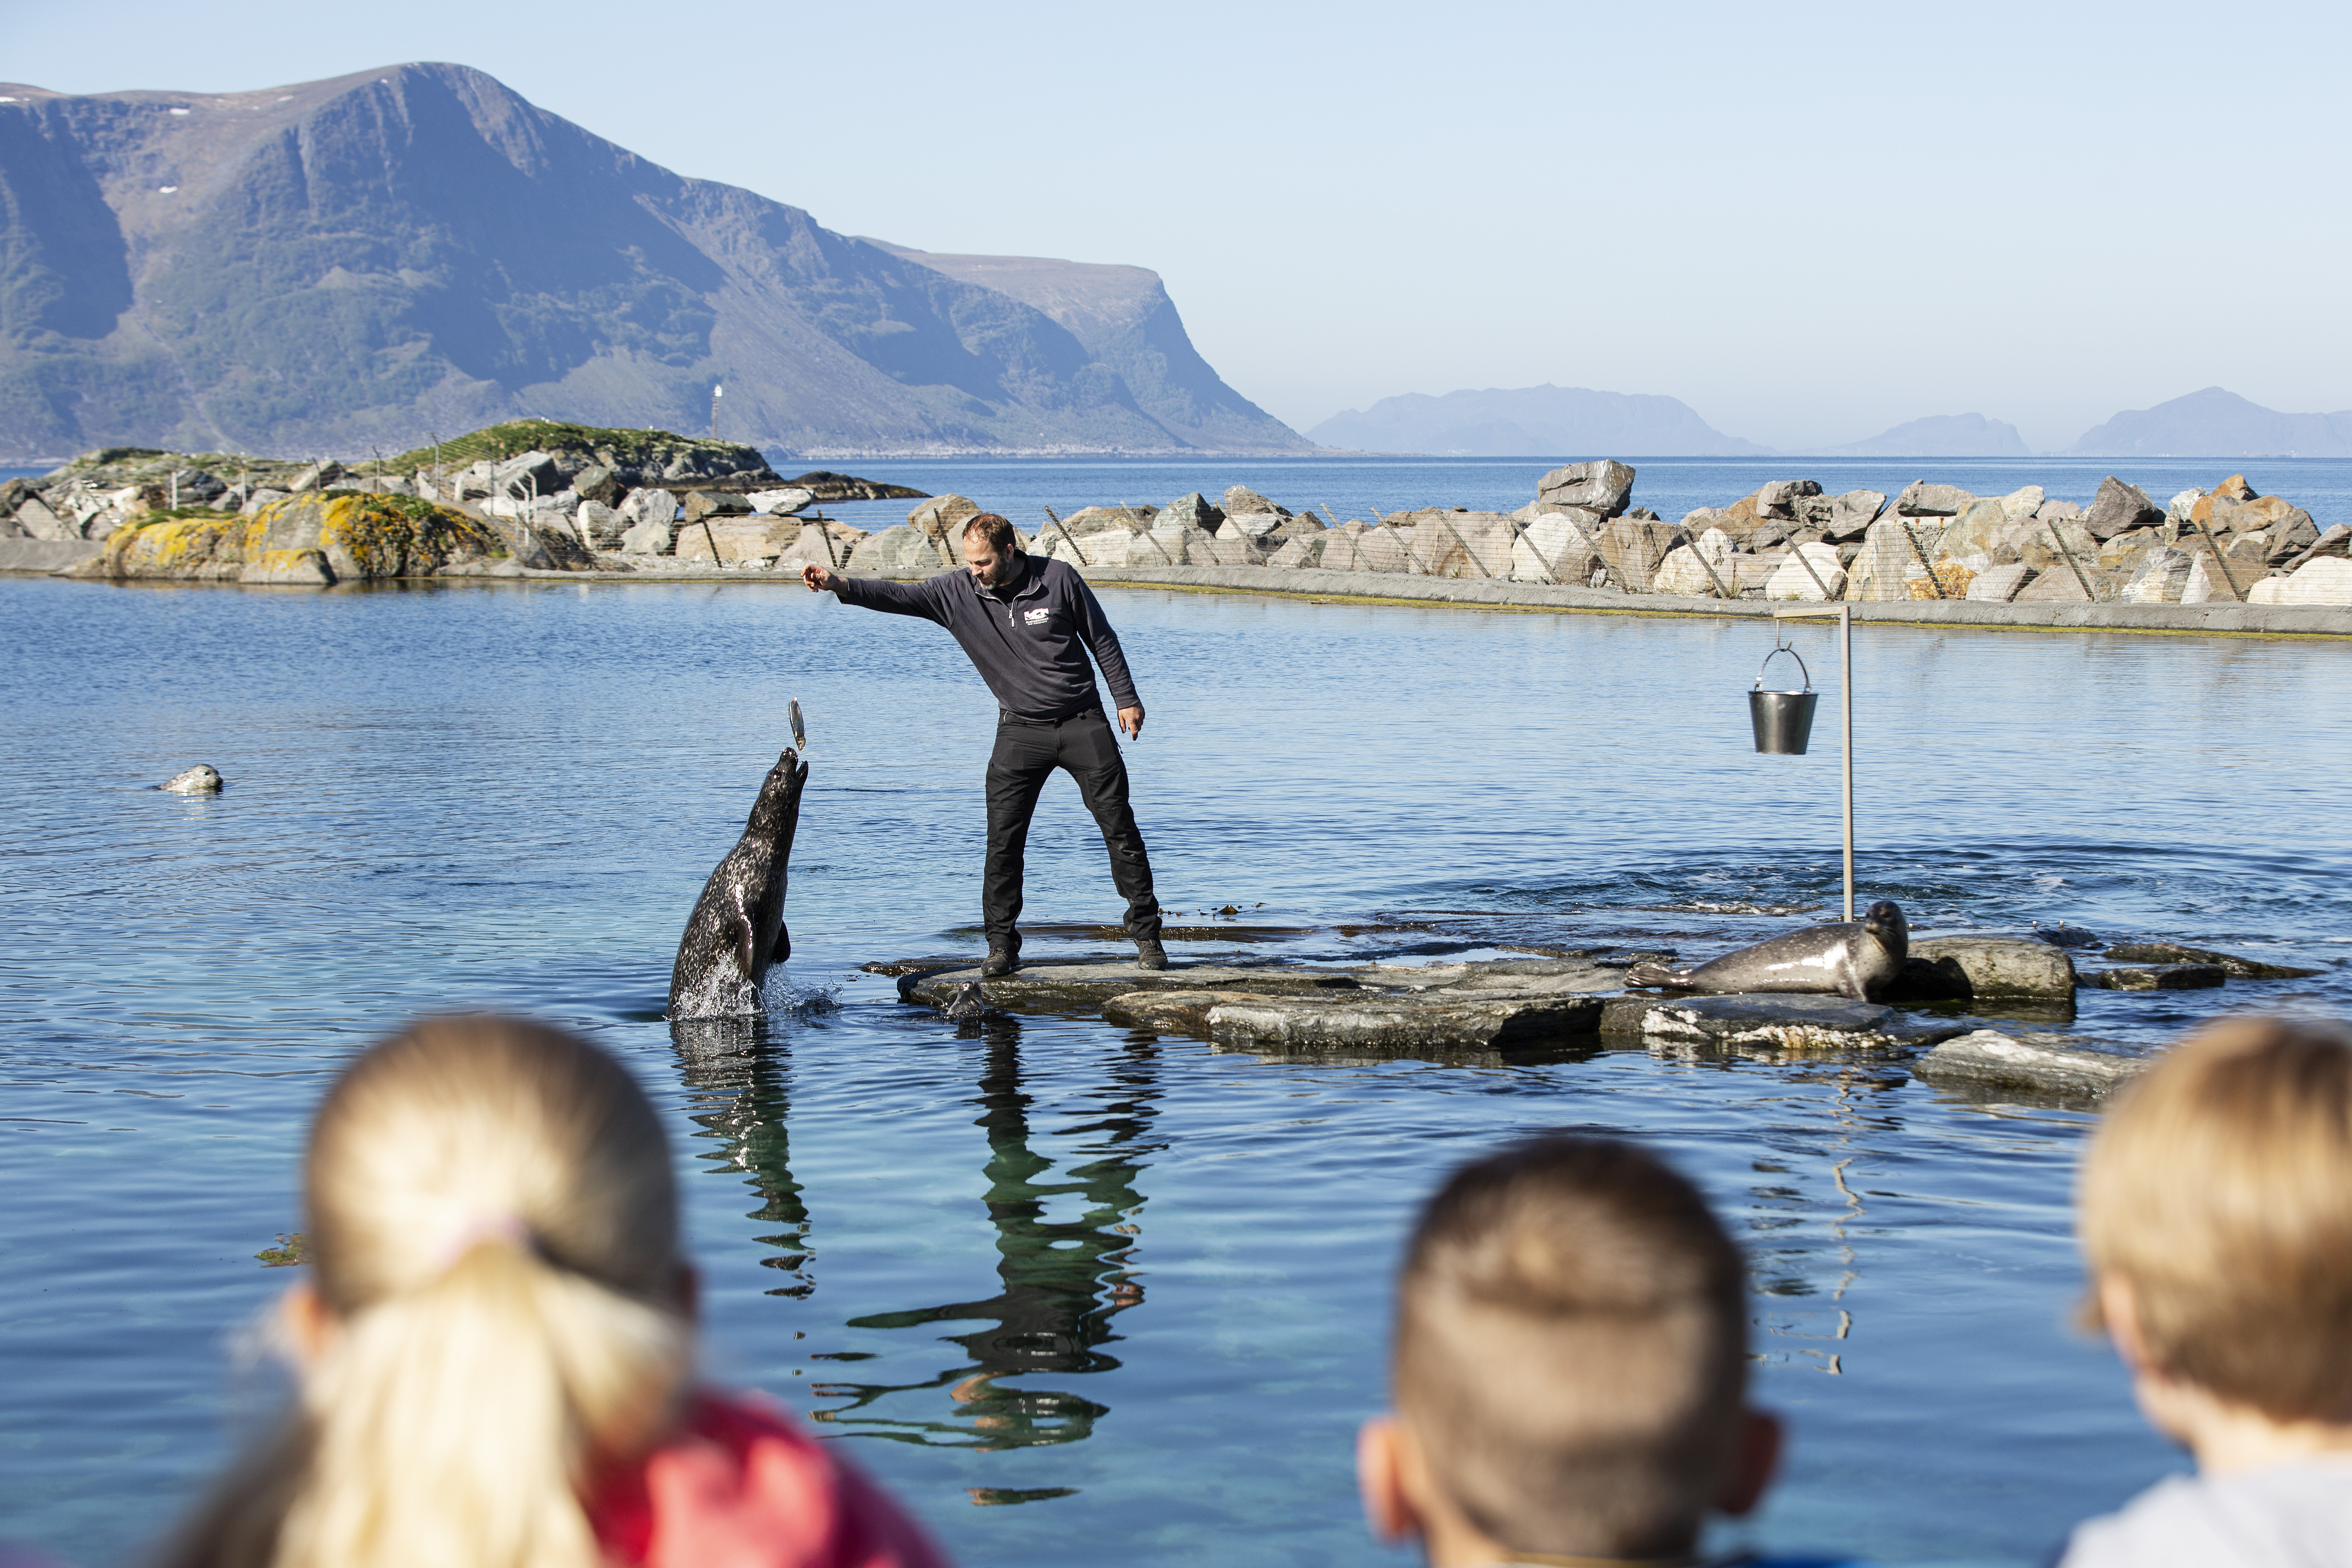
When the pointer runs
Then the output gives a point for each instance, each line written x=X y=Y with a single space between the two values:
x=1167 y=1265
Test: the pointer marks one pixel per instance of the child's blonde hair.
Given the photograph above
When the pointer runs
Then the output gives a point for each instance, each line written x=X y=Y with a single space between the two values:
x=493 y=1227
x=2220 y=1191
x=1571 y=1348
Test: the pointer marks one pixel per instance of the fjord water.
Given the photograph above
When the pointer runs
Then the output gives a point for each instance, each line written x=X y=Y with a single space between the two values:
x=1080 y=1294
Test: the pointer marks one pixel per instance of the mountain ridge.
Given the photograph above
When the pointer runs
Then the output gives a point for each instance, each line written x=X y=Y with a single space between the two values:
x=2215 y=422
x=1528 y=421
x=358 y=261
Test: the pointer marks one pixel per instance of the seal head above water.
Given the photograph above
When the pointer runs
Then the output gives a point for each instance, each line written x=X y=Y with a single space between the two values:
x=201 y=779
x=737 y=928
x=1841 y=959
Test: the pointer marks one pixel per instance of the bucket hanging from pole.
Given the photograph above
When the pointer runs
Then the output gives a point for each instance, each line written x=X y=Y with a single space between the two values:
x=1783 y=720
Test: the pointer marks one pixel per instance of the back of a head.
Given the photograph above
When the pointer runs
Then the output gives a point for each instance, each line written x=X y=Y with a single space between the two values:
x=492 y=1225
x=2219 y=1189
x=1572 y=1349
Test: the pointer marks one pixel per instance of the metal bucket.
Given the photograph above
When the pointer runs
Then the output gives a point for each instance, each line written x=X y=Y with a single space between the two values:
x=1783 y=720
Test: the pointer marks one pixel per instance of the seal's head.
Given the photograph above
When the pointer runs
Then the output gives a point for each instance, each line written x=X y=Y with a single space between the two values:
x=1883 y=920
x=780 y=794
x=198 y=780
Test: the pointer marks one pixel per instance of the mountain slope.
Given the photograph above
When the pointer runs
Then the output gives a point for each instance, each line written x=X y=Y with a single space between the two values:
x=1125 y=319
x=364 y=260
x=2215 y=423
x=1940 y=435
x=1530 y=421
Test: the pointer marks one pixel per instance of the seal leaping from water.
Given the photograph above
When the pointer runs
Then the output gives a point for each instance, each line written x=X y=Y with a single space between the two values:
x=1851 y=960
x=737 y=928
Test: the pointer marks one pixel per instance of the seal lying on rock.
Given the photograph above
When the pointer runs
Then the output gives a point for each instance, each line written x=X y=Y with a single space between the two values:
x=198 y=780
x=737 y=928
x=1850 y=960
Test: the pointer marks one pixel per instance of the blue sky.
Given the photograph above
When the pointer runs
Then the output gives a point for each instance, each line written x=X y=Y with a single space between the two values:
x=1810 y=222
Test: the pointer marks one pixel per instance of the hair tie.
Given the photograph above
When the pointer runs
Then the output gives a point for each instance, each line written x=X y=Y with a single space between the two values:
x=509 y=1228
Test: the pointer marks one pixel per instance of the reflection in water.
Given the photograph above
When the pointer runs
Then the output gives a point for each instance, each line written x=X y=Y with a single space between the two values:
x=735 y=1068
x=1062 y=1279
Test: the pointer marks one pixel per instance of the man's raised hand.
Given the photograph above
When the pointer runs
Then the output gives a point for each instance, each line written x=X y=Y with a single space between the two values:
x=817 y=578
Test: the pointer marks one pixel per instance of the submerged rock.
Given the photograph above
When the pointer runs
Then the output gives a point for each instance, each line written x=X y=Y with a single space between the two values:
x=2157 y=978
x=2228 y=962
x=2051 y=1063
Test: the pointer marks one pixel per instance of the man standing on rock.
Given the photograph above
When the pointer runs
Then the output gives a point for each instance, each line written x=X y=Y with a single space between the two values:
x=1027 y=624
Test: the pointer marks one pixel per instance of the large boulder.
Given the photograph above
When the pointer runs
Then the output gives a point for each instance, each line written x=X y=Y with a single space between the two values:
x=1463 y=544
x=1175 y=542
x=2163 y=573
x=1780 y=498
x=1811 y=572
x=1556 y=547
x=828 y=544
x=2230 y=492
x=600 y=526
x=2000 y=584
x=1241 y=500
x=702 y=504
x=1635 y=548
x=1982 y=536
x=1253 y=525
x=781 y=502
x=941 y=520
x=1921 y=499
x=1700 y=569
x=1306 y=550
x=1194 y=511
x=1889 y=560
x=1381 y=549
x=735 y=541
x=2119 y=507
x=2023 y=502
x=651 y=536
x=900 y=552
x=1852 y=514
x=1602 y=486
x=2324 y=581
x=598 y=483
x=648 y=505
x=526 y=474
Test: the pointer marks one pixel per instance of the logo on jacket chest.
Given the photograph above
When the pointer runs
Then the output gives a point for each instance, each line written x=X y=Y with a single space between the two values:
x=1036 y=618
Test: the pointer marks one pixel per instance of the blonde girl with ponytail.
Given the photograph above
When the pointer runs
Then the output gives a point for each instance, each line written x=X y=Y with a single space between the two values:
x=496 y=1344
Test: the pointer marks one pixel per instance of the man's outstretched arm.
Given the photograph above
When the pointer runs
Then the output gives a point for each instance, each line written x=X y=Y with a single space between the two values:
x=873 y=594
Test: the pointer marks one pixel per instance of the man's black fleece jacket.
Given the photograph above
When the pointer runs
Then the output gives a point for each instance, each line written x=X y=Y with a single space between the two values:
x=1028 y=639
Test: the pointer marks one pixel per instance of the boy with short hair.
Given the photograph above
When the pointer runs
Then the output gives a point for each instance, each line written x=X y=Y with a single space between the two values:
x=1570 y=1368
x=2216 y=1218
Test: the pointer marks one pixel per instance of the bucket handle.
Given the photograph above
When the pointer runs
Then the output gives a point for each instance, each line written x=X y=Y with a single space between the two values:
x=1776 y=653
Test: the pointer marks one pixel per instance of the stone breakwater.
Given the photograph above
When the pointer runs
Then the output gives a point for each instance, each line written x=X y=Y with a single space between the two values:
x=691 y=508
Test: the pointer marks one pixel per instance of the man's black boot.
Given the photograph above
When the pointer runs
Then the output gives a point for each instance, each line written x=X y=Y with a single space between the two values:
x=1002 y=959
x=1149 y=953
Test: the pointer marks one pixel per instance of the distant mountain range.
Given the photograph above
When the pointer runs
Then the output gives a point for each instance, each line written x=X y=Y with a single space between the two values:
x=1529 y=421
x=360 y=262
x=1568 y=421
x=1939 y=435
x=2217 y=423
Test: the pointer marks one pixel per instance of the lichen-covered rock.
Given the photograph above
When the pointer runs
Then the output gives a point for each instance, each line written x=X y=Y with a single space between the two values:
x=289 y=569
x=356 y=537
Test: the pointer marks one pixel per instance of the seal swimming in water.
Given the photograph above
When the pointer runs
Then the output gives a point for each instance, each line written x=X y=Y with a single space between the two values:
x=202 y=779
x=1851 y=960
x=737 y=928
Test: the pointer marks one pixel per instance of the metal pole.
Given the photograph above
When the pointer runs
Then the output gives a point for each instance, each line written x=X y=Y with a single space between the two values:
x=1845 y=613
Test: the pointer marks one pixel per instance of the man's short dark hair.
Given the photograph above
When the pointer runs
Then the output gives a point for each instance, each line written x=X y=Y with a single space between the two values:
x=1571 y=1348
x=997 y=531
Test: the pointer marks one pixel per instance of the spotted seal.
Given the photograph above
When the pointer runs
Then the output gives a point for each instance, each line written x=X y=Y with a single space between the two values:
x=1843 y=959
x=202 y=779
x=737 y=928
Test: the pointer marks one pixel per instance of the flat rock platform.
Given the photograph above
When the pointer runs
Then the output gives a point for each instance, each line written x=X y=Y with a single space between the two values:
x=1476 y=1008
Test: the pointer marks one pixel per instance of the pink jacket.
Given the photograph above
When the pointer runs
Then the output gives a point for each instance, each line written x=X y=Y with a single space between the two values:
x=743 y=1485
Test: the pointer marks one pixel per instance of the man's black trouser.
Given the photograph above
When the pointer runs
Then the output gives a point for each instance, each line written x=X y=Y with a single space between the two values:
x=1025 y=753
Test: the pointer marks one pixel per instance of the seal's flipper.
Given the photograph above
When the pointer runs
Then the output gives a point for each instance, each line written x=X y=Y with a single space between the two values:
x=742 y=932
x=783 y=945
x=1650 y=973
